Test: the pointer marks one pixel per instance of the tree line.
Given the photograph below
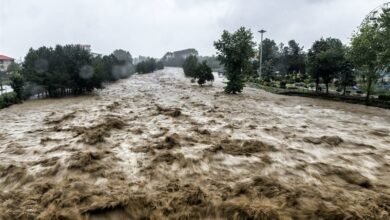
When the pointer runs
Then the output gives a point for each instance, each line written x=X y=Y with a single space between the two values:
x=149 y=65
x=69 y=69
x=328 y=61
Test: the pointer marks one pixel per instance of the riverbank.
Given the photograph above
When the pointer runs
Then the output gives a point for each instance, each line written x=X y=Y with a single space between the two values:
x=361 y=100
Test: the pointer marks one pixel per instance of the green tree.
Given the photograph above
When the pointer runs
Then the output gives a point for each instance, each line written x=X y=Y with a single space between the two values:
x=325 y=60
x=203 y=73
x=17 y=84
x=346 y=75
x=368 y=49
x=270 y=60
x=147 y=66
x=235 y=51
x=295 y=60
x=190 y=66
x=61 y=70
x=123 y=65
x=314 y=63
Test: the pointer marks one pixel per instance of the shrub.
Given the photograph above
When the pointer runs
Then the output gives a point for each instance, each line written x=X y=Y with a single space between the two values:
x=8 y=99
x=147 y=66
x=384 y=97
x=283 y=85
x=62 y=70
x=190 y=66
x=235 y=51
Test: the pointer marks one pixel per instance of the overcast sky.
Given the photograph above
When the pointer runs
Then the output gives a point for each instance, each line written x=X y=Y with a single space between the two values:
x=153 y=27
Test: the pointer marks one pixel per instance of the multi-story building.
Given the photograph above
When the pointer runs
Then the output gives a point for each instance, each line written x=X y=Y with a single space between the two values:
x=177 y=58
x=5 y=62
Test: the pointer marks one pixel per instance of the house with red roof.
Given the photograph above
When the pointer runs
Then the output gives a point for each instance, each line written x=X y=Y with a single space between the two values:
x=5 y=62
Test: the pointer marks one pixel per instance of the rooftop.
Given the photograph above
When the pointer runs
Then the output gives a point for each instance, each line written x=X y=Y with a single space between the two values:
x=3 y=57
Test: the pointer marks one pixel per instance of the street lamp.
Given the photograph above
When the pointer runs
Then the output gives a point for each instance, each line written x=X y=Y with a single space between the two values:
x=261 y=51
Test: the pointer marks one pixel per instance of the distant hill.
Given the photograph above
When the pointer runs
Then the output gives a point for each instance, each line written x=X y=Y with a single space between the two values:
x=177 y=58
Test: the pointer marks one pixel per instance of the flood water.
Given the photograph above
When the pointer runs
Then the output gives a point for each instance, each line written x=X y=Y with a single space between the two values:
x=156 y=146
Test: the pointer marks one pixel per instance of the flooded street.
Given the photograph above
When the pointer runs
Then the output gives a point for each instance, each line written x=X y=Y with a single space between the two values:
x=156 y=146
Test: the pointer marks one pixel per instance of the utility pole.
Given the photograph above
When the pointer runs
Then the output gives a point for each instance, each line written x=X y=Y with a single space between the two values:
x=261 y=52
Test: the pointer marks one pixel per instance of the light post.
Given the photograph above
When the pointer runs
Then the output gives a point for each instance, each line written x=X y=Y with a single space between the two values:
x=261 y=51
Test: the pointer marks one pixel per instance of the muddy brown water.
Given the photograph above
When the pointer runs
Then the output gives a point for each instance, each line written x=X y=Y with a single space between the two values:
x=158 y=147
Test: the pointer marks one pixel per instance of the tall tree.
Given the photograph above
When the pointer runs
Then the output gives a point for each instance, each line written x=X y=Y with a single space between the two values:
x=235 y=51
x=384 y=35
x=190 y=66
x=325 y=60
x=61 y=70
x=160 y=65
x=147 y=66
x=369 y=48
x=295 y=59
x=123 y=56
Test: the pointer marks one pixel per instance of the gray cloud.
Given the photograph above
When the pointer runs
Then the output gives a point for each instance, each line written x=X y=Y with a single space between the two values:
x=152 y=27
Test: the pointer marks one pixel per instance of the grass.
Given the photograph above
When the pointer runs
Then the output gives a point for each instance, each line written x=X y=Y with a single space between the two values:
x=332 y=97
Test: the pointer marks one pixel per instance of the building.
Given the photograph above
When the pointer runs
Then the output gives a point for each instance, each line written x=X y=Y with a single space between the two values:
x=181 y=54
x=5 y=62
x=177 y=58
x=139 y=59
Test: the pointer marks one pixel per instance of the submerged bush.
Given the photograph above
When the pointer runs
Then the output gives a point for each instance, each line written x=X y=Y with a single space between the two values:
x=62 y=70
x=71 y=69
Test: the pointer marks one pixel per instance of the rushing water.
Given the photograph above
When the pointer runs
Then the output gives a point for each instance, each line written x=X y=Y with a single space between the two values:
x=158 y=146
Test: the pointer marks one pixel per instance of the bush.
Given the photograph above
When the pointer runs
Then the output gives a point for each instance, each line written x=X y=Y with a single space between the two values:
x=384 y=97
x=190 y=66
x=8 y=99
x=160 y=65
x=283 y=85
x=203 y=73
x=62 y=70
x=17 y=84
x=147 y=66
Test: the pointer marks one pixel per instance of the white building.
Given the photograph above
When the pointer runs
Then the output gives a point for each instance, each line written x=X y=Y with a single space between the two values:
x=5 y=62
